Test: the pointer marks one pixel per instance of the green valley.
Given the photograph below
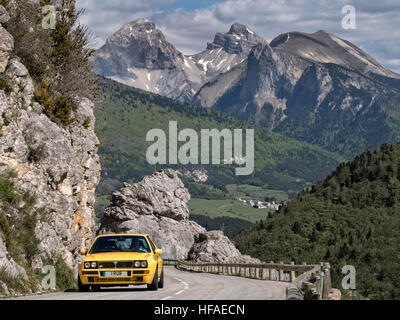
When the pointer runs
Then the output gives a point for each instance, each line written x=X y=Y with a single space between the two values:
x=124 y=115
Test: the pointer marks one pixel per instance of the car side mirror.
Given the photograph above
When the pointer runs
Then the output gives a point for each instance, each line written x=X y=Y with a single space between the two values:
x=83 y=252
x=158 y=251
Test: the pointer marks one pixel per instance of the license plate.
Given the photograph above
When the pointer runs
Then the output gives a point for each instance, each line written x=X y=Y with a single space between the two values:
x=115 y=273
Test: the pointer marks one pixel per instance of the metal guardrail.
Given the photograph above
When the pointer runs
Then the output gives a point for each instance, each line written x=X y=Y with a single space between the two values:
x=314 y=284
x=307 y=282
x=170 y=262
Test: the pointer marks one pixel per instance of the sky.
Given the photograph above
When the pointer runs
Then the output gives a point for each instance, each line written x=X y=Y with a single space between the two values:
x=190 y=24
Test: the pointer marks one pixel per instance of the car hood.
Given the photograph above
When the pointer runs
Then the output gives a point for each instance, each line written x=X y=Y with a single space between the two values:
x=115 y=256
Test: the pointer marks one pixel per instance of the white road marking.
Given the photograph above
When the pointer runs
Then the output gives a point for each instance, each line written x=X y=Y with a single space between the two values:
x=166 y=298
x=185 y=286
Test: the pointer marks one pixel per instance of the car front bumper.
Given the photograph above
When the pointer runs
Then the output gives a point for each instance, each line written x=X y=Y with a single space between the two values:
x=135 y=277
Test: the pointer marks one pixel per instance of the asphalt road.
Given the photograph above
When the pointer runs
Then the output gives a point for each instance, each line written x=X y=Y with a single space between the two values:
x=183 y=285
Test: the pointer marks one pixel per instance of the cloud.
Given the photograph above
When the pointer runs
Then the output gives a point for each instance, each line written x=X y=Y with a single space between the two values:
x=190 y=28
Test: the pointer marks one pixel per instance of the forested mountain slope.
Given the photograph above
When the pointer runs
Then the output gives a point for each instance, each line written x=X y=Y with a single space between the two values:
x=124 y=115
x=351 y=218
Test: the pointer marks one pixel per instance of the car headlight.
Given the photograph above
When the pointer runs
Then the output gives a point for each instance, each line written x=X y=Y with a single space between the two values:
x=90 y=265
x=140 y=264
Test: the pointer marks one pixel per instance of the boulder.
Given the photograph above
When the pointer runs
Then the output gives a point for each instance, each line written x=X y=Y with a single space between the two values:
x=158 y=206
x=4 y=16
x=6 y=47
x=215 y=247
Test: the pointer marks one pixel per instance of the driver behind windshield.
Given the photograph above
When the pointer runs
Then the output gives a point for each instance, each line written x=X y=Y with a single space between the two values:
x=121 y=243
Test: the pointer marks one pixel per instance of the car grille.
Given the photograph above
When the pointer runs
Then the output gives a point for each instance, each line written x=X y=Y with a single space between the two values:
x=114 y=280
x=91 y=272
x=115 y=264
x=139 y=272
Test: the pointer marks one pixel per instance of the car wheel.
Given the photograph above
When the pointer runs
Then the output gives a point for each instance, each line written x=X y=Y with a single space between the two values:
x=95 y=288
x=154 y=285
x=161 y=283
x=81 y=287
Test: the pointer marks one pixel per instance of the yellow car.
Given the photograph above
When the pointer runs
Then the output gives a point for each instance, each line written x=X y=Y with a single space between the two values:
x=121 y=260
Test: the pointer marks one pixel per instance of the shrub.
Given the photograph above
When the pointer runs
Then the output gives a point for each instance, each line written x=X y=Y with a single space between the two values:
x=5 y=84
x=36 y=154
x=4 y=3
x=87 y=123
x=6 y=121
x=5 y=228
x=65 y=278
x=58 y=60
x=63 y=108
x=8 y=193
x=57 y=107
x=20 y=240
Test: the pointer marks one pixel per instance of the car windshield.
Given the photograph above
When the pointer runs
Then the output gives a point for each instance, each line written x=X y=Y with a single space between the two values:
x=121 y=244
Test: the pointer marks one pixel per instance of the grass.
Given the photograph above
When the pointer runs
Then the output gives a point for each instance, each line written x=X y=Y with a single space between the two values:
x=256 y=192
x=226 y=208
x=20 y=240
x=15 y=284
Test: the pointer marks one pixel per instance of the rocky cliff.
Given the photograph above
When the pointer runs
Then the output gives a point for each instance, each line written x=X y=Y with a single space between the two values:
x=158 y=206
x=56 y=165
x=314 y=87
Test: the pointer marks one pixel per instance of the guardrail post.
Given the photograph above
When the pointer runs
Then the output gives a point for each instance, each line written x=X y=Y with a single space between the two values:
x=271 y=272
x=318 y=284
x=321 y=284
x=292 y=273
x=307 y=289
x=327 y=282
x=281 y=273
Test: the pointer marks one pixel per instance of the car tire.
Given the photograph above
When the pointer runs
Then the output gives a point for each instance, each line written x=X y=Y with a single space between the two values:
x=161 y=283
x=82 y=287
x=95 y=288
x=154 y=285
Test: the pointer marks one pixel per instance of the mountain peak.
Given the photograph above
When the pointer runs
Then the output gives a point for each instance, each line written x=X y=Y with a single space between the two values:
x=239 y=29
x=324 y=47
x=239 y=39
x=141 y=21
x=135 y=28
x=138 y=44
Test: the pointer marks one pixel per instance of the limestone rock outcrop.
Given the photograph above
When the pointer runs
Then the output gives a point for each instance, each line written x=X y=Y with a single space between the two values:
x=6 y=45
x=58 y=164
x=215 y=247
x=158 y=206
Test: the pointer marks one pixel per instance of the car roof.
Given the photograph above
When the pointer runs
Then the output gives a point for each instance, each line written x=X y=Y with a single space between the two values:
x=123 y=234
